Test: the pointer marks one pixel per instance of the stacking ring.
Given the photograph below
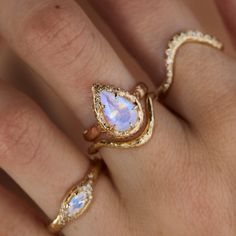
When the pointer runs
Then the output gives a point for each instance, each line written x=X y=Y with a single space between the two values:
x=76 y=201
x=120 y=115
x=126 y=119
x=174 y=45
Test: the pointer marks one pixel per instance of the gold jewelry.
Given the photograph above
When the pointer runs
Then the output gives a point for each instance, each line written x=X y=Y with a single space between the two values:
x=120 y=114
x=120 y=117
x=76 y=201
x=174 y=45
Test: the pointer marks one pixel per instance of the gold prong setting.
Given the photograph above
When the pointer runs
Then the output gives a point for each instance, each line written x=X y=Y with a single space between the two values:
x=77 y=202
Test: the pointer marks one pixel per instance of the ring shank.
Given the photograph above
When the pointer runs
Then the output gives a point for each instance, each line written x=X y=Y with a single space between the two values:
x=56 y=226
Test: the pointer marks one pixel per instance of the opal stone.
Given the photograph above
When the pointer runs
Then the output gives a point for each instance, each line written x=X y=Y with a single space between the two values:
x=118 y=111
x=77 y=203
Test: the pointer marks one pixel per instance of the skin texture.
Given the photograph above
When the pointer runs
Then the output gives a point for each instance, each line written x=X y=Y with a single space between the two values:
x=185 y=185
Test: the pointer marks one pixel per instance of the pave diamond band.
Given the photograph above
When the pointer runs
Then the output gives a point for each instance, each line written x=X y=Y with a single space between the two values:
x=77 y=200
x=174 y=45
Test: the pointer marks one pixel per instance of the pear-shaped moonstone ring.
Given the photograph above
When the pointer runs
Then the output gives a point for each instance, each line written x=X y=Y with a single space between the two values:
x=126 y=119
x=121 y=116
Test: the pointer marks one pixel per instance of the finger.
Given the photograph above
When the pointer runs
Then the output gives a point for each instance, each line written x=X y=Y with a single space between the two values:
x=227 y=9
x=213 y=24
x=45 y=164
x=61 y=43
x=17 y=218
x=145 y=29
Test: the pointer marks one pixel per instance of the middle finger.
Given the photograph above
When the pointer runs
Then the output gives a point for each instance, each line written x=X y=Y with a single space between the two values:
x=203 y=76
x=60 y=42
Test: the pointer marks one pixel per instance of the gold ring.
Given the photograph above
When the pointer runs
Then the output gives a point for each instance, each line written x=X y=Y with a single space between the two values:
x=126 y=119
x=77 y=200
x=121 y=116
x=174 y=45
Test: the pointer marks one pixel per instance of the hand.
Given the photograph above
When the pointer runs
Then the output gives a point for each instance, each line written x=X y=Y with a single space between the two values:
x=180 y=183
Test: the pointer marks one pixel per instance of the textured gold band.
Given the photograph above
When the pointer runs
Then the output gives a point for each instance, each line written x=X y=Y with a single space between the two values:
x=76 y=201
x=105 y=134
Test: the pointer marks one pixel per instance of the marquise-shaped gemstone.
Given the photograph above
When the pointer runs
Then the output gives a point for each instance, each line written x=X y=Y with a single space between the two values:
x=77 y=203
x=119 y=112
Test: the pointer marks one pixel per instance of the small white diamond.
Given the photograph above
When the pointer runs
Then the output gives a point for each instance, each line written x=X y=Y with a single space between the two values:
x=169 y=74
x=169 y=61
x=199 y=34
x=168 y=52
x=169 y=67
x=192 y=33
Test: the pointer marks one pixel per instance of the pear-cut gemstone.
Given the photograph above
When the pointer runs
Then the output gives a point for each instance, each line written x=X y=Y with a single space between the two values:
x=77 y=203
x=118 y=111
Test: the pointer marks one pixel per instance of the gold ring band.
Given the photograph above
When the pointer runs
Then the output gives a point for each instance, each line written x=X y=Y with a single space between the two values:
x=77 y=200
x=174 y=45
x=121 y=114
x=125 y=119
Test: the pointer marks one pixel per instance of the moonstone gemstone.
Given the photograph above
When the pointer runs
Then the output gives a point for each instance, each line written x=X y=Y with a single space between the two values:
x=118 y=111
x=77 y=203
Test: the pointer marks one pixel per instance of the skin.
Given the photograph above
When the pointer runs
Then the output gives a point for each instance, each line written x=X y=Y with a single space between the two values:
x=181 y=183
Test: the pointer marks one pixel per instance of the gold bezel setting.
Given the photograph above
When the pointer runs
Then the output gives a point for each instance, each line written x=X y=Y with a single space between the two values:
x=77 y=200
x=85 y=189
x=140 y=140
x=99 y=110
x=139 y=133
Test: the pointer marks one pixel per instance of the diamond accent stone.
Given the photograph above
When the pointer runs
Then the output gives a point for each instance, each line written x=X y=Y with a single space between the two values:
x=176 y=42
x=119 y=112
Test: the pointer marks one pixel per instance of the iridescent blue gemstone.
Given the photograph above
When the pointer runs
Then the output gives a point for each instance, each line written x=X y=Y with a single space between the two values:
x=118 y=111
x=77 y=203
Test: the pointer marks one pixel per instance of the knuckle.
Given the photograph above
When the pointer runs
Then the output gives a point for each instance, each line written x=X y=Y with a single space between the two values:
x=20 y=134
x=60 y=34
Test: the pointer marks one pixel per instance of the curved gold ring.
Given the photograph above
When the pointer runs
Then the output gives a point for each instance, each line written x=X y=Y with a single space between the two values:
x=137 y=141
x=77 y=200
x=121 y=115
x=174 y=45
x=125 y=119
